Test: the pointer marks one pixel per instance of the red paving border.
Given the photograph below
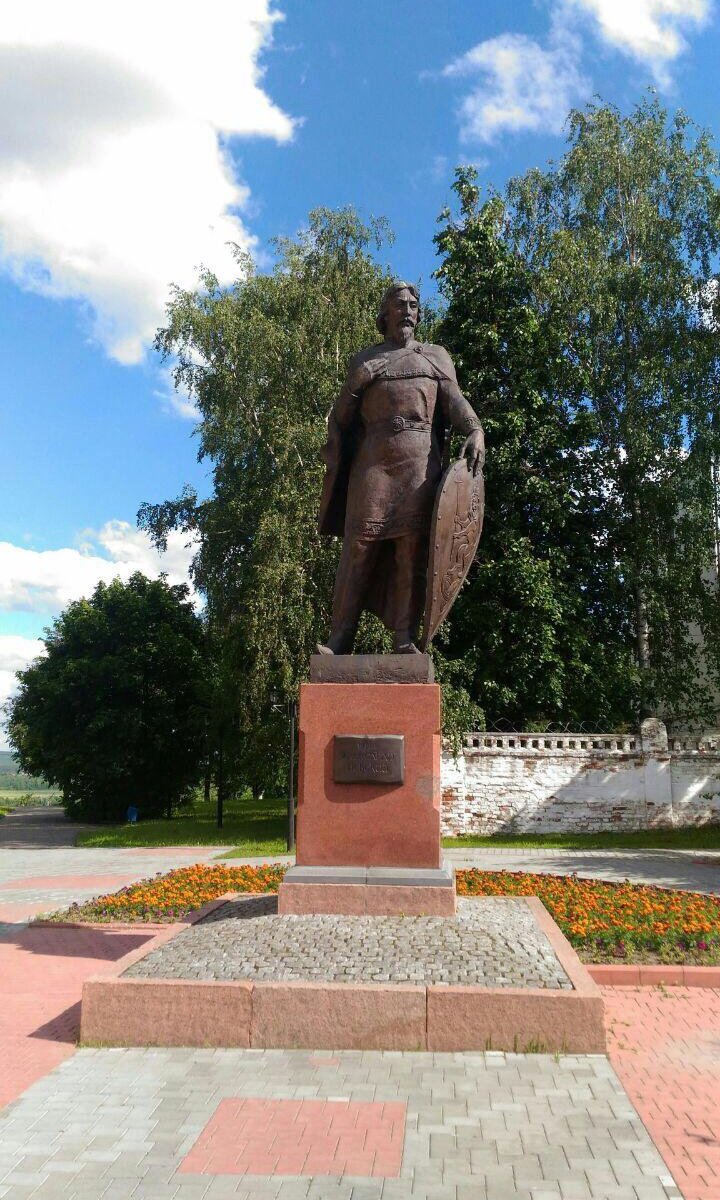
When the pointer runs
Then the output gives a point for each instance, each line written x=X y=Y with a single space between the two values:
x=301 y=1137
x=42 y=972
x=652 y=974
x=17 y=912
x=43 y=968
x=665 y=1046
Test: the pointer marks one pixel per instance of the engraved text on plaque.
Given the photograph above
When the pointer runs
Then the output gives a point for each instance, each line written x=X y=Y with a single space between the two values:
x=369 y=758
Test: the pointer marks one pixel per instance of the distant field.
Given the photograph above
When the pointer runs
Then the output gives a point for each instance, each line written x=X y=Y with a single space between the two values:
x=15 y=786
x=13 y=799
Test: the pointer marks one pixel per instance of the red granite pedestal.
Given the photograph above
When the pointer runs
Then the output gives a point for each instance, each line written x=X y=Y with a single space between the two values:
x=369 y=847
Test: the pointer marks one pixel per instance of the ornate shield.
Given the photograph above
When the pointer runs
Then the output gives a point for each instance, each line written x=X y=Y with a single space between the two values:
x=454 y=536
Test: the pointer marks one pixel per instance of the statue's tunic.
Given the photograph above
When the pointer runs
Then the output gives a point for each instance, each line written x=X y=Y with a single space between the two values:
x=391 y=439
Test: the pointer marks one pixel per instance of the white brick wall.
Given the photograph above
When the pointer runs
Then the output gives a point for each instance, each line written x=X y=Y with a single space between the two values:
x=516 y=783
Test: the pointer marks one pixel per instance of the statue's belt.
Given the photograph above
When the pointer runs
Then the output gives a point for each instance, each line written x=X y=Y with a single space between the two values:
x=398 y=425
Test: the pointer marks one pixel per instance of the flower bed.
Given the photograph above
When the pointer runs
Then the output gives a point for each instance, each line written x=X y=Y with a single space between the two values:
x=606 y=922
x=171 y=897
x=614 y=922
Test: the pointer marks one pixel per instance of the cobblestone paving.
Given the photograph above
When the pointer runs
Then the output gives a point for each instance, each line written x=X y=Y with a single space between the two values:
x=492 y=942
x=118 y=1124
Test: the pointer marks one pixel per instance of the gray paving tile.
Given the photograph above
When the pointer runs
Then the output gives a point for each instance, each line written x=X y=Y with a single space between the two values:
x=461 y=1138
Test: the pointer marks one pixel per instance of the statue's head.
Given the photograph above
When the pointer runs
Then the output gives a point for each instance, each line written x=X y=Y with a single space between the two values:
x=398 y=292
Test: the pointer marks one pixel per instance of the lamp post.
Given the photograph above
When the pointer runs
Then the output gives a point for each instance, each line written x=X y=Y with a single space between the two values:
x=292 y=713
x=290 y=709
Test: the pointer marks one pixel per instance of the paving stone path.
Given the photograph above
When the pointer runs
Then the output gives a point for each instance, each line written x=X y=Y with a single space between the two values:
x=156 y=1124
x=665 y=1046
x=492 y=942
x=38 y=828
x=129 y=1124
x=41 y=870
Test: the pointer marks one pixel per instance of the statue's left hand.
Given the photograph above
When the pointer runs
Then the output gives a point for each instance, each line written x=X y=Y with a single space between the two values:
x=474 y=451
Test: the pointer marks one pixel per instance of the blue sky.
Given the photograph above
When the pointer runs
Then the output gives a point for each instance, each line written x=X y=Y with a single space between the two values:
x=145 y=136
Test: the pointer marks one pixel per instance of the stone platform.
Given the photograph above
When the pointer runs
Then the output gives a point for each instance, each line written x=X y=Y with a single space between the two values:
x=498 y=975
x=369 y=891
x=493 y=942
x=371 y=668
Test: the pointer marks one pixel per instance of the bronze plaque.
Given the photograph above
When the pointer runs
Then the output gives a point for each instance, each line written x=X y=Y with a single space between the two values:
x=369 y=759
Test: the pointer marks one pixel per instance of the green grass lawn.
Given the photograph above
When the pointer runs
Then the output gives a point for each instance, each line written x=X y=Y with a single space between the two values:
x=258 y=828
x=252 y=827
x=706 y=837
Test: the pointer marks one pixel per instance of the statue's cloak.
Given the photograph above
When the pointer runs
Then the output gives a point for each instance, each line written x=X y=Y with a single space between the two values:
x=337 y=454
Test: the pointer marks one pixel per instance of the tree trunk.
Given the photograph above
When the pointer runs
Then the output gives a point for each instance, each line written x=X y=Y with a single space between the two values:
x=642 y=629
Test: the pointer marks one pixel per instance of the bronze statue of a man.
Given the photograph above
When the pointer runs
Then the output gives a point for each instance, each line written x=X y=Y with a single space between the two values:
x=383 y=465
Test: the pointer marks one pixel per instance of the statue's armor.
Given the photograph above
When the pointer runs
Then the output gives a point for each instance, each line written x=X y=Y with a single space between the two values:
x=398 y=460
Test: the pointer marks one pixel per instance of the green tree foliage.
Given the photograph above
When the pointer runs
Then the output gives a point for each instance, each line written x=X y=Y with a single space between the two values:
x=580 y=311
x=114 y=712
x=519 y=628
x=264 y=360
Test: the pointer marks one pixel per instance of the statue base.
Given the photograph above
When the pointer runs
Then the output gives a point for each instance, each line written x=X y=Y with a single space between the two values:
x=371 y=668
x=368 y=816
x=371 y=891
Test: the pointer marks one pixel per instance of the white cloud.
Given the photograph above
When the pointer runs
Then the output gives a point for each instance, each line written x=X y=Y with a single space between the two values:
x=520 y=86
x=114 y=174
x=45 y=581
x=649 y=30
x=175 y=399
x=523 y=86
x=15 y=654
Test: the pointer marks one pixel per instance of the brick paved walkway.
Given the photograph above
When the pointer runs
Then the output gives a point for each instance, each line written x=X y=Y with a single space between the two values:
x=42 y=972
x=131 y=1122
x=665 y=1046
x=162 y=1124
x=42 y=969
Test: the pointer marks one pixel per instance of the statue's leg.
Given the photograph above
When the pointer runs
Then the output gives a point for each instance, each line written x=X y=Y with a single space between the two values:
x=353 y=574
x=411 y=555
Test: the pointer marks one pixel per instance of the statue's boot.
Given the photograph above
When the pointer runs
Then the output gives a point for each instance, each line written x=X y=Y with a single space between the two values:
x=338 y=643
x=403 y=642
